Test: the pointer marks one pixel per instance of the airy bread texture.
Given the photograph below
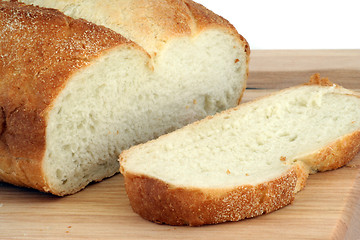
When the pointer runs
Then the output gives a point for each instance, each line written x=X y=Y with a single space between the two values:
x=246 y=161
x=75 y=94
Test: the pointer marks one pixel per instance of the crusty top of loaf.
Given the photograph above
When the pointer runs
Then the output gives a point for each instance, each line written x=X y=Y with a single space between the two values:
x=39 y=50
x=149 y=23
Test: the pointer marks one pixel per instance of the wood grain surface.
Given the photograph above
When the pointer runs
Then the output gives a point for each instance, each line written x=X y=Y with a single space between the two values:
x=328 y=208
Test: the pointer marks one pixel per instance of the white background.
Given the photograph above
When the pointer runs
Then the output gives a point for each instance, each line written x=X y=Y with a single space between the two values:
x=281 y=24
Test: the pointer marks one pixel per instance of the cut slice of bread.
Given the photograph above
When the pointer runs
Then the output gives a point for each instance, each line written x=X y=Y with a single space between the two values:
x=74 y=93
x=246 y=161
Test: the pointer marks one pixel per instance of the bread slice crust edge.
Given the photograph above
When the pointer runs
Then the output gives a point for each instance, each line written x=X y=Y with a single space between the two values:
x=160 y=202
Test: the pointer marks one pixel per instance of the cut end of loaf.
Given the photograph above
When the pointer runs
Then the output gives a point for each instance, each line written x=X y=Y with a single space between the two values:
x=250 y=145
x=124 y=98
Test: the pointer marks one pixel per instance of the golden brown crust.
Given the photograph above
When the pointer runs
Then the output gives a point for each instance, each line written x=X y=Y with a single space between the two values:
x=40 y=52
x=149 y=23
x=302 y=172
x=315 y=79
x=159 y=202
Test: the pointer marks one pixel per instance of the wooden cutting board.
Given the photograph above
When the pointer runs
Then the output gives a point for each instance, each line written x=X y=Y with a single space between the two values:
x=328 y=208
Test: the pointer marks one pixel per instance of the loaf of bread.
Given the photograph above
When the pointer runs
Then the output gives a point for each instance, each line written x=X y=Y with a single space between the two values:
x=81 y=80
x=246 y=161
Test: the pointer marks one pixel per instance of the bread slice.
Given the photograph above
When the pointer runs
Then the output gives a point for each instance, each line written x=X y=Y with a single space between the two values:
x=74 y=94
x=246 y=161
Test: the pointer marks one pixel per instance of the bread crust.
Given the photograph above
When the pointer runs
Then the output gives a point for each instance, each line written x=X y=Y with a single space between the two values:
x=162 y=203
x=333 y=156
x=149 y=23
x=316 y=79
x=40 y=49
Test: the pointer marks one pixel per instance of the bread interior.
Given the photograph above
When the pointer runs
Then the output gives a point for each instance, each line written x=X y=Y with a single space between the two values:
x=255 y=143
x=124 y=98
